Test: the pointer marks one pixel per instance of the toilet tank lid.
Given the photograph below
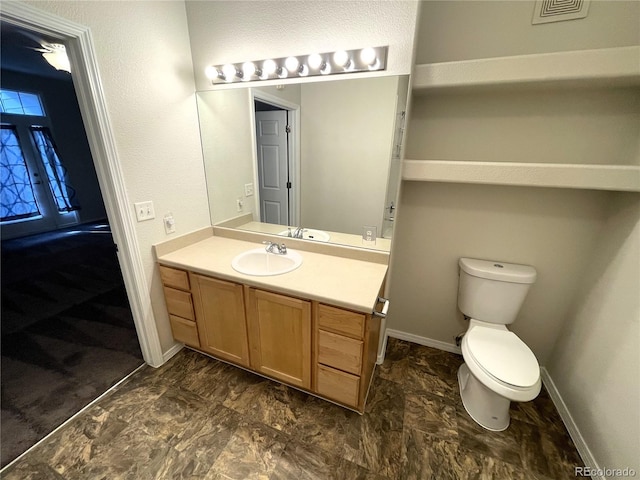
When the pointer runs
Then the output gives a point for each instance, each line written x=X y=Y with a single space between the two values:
x=503 y=272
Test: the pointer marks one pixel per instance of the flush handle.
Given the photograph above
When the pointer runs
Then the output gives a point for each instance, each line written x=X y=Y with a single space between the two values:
x=385 y=308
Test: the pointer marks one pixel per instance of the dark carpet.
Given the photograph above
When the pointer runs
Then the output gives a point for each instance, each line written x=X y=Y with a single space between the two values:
x=67 y=330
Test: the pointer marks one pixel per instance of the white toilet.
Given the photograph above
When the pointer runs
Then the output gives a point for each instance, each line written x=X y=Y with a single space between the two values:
x=499 y=367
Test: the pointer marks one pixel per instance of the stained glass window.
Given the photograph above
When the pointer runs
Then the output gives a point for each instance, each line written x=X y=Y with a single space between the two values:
x=19 y=197
x=62 y=193
x=16 y=192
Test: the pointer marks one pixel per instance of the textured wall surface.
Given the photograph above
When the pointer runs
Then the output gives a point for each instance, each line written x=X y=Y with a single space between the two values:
x=231 y=31
x=552 y=229
x=596 y=362
x=462 y=30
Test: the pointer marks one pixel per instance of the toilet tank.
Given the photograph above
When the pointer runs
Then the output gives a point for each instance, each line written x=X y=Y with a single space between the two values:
x=491 y=291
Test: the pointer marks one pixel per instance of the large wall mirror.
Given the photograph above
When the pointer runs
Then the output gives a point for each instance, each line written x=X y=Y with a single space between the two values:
x=318 y=160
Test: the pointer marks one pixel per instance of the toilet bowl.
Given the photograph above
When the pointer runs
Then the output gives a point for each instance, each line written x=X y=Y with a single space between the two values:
x=499 y=368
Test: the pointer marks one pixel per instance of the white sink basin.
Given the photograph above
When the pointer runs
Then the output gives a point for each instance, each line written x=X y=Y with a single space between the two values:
x=309 y=234
x=262 y=263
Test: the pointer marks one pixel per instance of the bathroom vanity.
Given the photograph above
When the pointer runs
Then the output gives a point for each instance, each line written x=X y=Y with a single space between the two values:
x=313 y=328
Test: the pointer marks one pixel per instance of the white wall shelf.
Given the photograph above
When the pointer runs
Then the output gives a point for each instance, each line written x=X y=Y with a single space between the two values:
x=607 y=66
x=558 y=175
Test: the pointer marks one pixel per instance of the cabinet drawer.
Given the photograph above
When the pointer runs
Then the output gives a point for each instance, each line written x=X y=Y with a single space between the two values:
x=342 y=321
x=172 y=277
x=179 y=303
x=184 y=331
x=340 y=386
x=340 y=352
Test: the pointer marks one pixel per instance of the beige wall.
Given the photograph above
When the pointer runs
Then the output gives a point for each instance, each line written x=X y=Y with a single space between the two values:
x=226 y=125
x=462 y=30
x=290 y=93
x=595 y=364
x=587 y=125
x=552 y=229
x=147 y=76
x=346 y=143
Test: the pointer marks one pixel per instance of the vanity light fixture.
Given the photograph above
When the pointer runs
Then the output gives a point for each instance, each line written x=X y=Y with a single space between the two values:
x=329 y=63
x=314 y=61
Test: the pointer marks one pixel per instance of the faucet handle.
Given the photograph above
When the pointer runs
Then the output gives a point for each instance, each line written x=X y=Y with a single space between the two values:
x=269 y=245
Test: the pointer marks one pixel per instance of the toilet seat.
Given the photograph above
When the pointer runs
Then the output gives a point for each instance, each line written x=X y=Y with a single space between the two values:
x=501 y=354
x=503 y=362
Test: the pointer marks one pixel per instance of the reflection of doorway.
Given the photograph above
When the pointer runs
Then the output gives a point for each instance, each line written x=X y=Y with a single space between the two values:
x=272 y=145
x=277 y=164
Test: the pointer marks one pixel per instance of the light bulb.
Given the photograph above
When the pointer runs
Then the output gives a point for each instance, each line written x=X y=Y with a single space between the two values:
x=282 y=72
x=314 y=61
x=248 y=69
x=341 y=58
x=211 y=72
x=368 y=56
x=325 y=69
x=229 y=71
x=303 y=71
x=268 y=67
x=291 y=63
x=376 y=65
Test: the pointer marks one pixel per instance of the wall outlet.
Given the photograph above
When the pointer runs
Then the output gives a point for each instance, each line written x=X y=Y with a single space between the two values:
x=169 y=223
x=369 y=234
x=248 y=189
x=239 y=204
x=144 y=211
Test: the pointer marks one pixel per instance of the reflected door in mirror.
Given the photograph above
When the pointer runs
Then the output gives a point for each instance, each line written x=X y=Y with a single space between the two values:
x=273 y=167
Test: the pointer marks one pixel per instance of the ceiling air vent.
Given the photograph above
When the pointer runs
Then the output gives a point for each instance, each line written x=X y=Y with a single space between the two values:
x=547 y=11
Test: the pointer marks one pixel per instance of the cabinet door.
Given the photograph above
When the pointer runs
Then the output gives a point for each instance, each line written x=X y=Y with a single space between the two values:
x=280 y=336
x=220 y=317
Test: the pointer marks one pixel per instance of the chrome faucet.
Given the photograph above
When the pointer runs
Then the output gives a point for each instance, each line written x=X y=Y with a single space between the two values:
x=277 y=249
x=297 y=233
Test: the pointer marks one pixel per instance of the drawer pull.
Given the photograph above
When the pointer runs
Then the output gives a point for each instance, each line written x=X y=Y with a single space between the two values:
x=385 y=308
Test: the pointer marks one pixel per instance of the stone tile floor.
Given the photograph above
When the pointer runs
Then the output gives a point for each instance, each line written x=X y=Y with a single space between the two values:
x=196 y=417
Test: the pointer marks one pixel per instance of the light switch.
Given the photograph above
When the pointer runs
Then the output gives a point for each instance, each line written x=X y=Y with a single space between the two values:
x=144 y=211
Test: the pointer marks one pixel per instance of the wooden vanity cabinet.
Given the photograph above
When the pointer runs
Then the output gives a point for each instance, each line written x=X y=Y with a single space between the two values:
x=280 y=336
x=179 y=301
x=220 y=316
x=320 y=348
x=345 y=352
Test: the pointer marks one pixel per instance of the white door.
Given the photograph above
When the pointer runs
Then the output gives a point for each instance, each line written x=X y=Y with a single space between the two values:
x=273 y=168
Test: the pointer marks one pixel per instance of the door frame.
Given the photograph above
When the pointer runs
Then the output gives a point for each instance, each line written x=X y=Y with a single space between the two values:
x=293 y=148
x=93 y=107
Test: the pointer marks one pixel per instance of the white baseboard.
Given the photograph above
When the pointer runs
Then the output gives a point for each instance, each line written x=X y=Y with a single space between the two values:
x=427 y=342
x=410 y=337
x=168 y=355
x=574 y=432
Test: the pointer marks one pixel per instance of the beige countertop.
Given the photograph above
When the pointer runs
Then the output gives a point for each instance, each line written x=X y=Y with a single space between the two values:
x=344 y=282
x=381 y=244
